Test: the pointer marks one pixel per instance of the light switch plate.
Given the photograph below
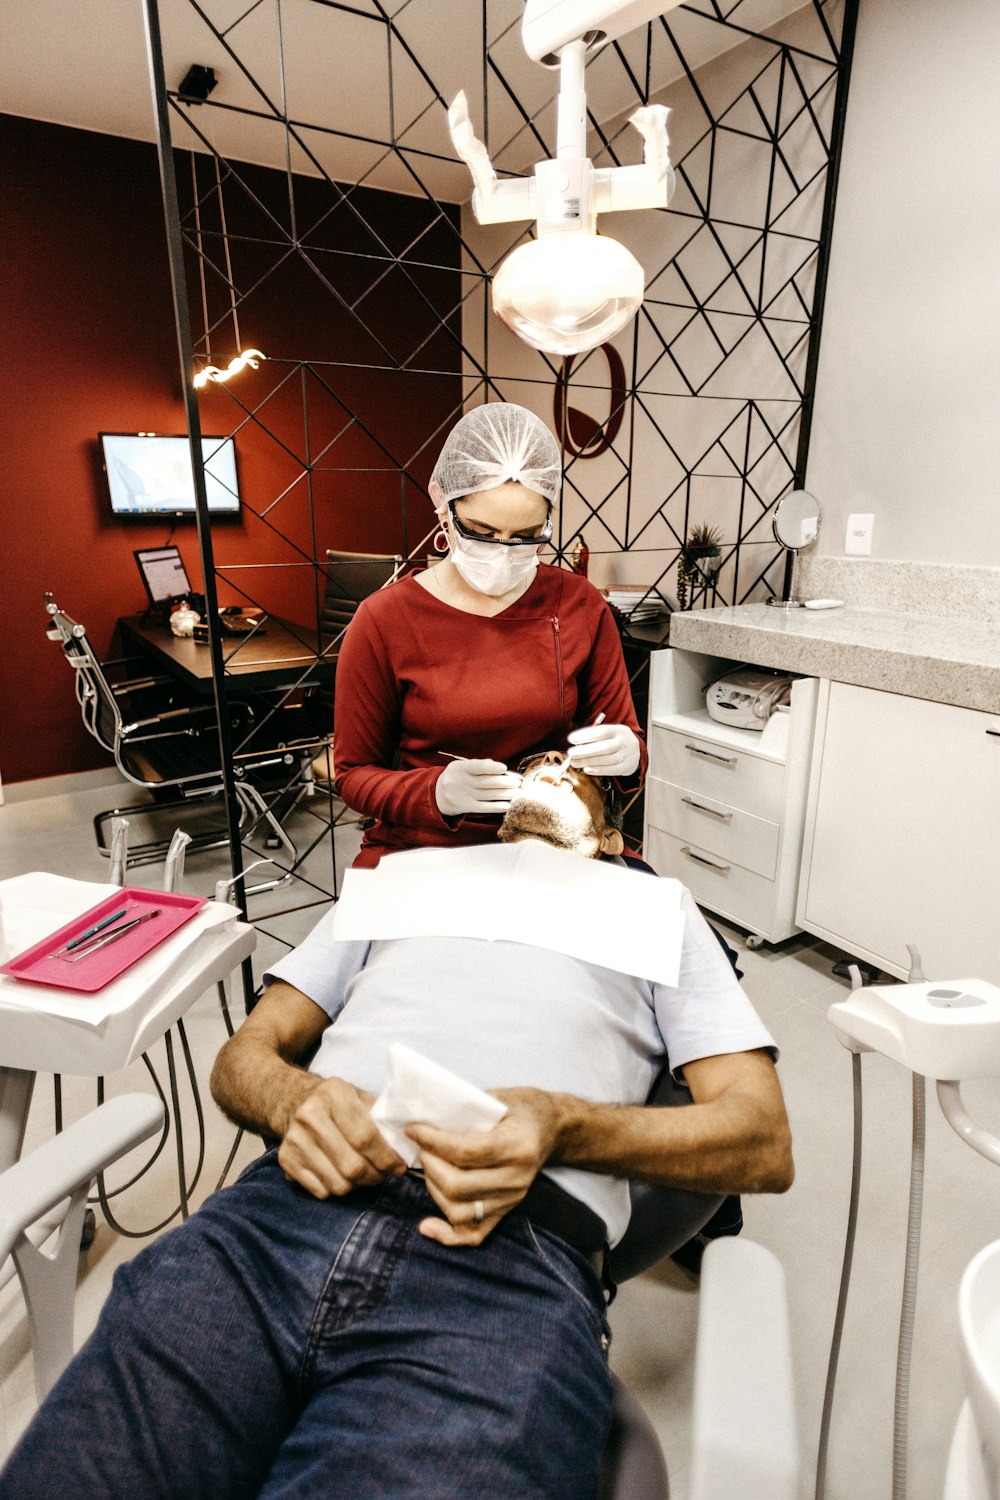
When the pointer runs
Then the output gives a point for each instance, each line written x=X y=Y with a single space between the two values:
x=858 y=540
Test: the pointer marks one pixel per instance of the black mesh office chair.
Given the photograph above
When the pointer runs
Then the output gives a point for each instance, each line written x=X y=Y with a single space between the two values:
x=350 y=577
x=169 y=745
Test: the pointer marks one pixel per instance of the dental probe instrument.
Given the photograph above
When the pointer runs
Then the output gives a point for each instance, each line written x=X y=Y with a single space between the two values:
x=112 y=937
x=450 y=755
x=97 y=927
x=565 y=765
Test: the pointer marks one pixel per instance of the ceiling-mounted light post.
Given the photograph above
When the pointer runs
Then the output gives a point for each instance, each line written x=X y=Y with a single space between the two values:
x=570 y=289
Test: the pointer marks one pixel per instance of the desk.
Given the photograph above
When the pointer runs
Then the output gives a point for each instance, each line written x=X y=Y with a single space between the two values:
x=48 y=1030
x=287 y=654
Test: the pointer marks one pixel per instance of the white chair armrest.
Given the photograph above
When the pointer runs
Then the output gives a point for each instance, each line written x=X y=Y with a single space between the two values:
x=54 y=1170
x=744 y=1430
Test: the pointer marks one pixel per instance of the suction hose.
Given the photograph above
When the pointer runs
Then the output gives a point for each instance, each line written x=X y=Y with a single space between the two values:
x=909 y=1305
x=845 y=1282
x=909 y=1300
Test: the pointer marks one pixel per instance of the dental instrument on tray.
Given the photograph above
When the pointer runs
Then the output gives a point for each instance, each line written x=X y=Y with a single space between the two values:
x=82 y=937
x=111 y=937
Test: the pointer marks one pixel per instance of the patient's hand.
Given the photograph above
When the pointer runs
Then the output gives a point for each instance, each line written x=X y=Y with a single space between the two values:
x=495 y=1167
x=331 y=1144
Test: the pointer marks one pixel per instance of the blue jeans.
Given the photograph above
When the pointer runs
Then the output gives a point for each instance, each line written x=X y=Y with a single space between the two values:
x=279 y=1346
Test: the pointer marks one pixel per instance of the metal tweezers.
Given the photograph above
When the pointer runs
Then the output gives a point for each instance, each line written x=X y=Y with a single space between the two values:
x=110 y=937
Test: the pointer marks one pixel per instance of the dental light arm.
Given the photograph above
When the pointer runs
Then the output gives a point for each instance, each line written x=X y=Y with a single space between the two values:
x=570 y=192
x=570 y=289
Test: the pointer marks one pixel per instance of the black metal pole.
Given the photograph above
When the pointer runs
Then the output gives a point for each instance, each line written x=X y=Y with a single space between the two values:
x=847 y=38
x=182 y=319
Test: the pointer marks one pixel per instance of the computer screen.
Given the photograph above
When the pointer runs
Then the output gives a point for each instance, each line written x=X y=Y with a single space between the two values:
x=150 y=475
x=163 y=574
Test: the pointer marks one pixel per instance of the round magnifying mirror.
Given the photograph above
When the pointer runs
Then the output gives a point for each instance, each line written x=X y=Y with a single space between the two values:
x=796 y=525
x=796 y=520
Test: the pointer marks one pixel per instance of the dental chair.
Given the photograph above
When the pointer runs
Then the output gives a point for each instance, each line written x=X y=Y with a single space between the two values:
x=662 y=1220
x=45 y=1195
x=744 y=1443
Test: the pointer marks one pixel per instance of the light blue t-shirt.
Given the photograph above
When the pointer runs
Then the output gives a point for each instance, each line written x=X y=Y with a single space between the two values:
x=506 y=1015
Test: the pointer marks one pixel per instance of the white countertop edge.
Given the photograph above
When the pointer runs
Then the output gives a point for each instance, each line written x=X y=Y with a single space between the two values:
x=920 y=656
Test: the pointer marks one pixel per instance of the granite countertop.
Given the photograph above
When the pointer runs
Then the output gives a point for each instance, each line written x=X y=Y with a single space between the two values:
x=946 y=660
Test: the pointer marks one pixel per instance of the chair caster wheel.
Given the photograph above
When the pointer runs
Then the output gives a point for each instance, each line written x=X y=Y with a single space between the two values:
x=754 y=941
x=88 y=1230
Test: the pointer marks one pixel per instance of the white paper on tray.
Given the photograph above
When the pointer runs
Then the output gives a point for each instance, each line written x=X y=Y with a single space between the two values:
x=418 y=1089
x=37 y=904
x=523 y=893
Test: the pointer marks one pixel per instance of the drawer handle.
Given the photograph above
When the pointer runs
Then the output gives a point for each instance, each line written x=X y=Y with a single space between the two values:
x=713 y=864
x=723 y=817
x=995 y=732
x=724 y=760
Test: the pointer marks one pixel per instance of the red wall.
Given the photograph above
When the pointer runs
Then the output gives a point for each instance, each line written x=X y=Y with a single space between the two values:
x=88 y=345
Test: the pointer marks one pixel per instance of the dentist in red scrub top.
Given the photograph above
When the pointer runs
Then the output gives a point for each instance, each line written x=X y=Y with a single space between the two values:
x=448 y=679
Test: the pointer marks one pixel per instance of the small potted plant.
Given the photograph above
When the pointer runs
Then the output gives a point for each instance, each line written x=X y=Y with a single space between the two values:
x=700 y=554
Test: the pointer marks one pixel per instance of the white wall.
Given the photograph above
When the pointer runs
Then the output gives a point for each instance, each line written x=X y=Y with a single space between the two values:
x=908 y=388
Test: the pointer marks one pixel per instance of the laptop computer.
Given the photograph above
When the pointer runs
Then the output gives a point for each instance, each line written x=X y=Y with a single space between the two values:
x=163 y=575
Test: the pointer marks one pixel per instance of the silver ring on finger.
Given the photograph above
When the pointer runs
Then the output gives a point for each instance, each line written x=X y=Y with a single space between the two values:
x=479 y=1212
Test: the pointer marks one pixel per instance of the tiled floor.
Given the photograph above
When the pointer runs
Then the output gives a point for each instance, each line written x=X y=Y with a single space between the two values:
x=654 y=1318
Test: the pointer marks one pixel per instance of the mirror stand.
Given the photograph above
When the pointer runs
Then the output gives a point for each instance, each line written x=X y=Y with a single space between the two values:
x=796 y=525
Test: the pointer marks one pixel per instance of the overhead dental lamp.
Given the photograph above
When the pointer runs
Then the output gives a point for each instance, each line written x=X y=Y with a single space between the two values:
x=570 y=289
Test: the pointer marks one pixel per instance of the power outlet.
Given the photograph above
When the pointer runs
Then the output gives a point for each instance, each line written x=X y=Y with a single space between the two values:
x=858 y=540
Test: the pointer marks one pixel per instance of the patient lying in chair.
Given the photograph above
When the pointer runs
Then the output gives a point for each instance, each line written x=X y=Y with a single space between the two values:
x=336 y=1323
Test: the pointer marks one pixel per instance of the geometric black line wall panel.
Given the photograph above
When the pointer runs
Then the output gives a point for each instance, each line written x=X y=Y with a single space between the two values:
x=373 y=307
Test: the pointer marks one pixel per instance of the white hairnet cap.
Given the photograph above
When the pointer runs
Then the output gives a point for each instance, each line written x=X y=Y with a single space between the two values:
x=494 y=444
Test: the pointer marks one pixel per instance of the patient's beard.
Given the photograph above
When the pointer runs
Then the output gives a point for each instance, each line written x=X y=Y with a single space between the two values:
x=553 y=814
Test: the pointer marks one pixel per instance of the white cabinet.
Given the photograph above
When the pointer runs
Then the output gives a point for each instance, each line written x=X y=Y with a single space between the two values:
x=903 y=833
x=725 y=807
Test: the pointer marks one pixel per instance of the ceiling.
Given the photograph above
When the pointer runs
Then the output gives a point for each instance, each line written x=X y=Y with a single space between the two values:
x=352 y=81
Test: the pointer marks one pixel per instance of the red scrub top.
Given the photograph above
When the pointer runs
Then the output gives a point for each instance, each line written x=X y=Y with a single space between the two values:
x=416 y=676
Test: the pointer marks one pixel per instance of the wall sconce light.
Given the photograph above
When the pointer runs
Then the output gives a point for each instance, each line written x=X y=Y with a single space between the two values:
x=251 y=357
x=570 y=289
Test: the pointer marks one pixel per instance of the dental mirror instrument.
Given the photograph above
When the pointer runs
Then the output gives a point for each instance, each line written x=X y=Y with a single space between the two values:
x=565 y=765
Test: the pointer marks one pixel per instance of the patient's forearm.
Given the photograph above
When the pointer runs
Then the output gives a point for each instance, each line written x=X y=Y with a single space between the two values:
x=255 y=1080
x=736 y=1142
x=256 y=1087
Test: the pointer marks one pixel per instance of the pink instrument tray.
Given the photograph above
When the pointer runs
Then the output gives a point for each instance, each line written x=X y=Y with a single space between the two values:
x=48 y=963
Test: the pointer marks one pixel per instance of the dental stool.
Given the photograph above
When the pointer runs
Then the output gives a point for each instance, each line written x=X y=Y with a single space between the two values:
x=663 y=1219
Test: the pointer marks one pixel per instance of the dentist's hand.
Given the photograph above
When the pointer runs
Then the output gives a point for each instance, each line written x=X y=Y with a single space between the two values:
x=604 y=749
x=475 y=786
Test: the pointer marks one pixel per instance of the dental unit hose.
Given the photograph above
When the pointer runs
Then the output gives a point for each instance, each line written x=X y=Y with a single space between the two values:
x=909 y=1298
x=119 y=851
x=845 y=1281
x=173 y=868
x=909 y=1305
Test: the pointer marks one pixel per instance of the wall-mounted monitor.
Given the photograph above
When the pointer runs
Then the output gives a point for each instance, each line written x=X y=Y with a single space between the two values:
x=150 y=475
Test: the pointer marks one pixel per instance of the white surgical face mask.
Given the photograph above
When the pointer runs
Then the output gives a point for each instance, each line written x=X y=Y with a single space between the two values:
x=491 y=569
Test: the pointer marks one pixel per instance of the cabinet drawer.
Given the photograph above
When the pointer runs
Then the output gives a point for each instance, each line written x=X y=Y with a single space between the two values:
x=722 y=886
x=719 y=773
x=730 y=833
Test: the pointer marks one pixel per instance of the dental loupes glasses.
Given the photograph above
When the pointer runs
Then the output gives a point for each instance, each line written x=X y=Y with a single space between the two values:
x=545 y=535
